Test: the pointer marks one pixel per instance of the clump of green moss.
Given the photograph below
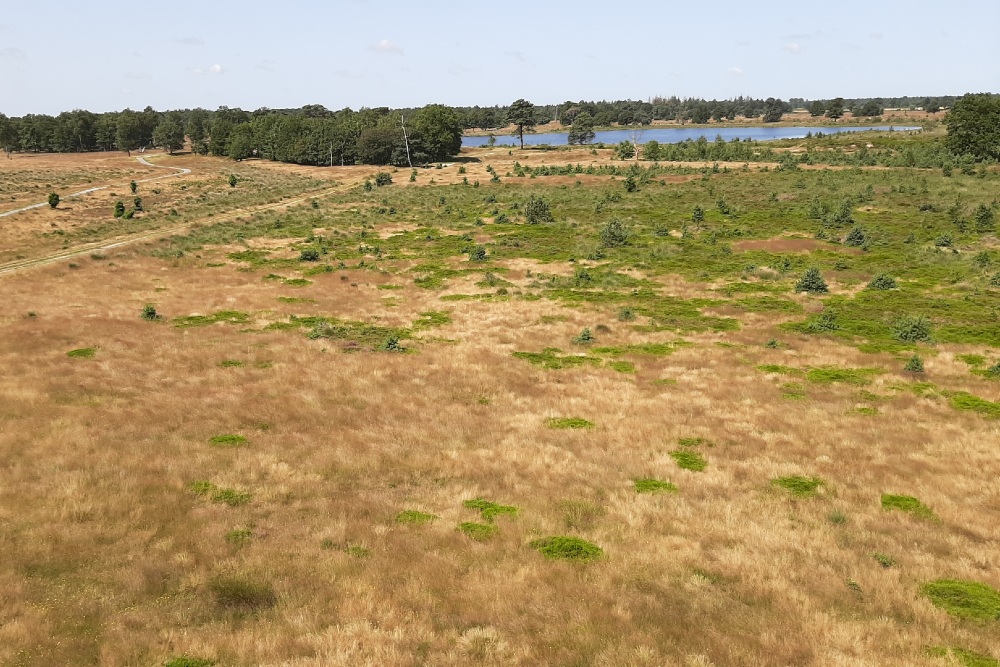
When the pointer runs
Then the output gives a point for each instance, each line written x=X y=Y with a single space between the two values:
x=477 y=531
x=227 y=316
x=82 y=353
x=964 y=657
x=802 y=487
x=414 y=517
x=906 y=504
x=568 y=422
x=965 y=599
x=489 y=509
x=649 y=485
x=230 y=497
x=228 y=440
x=567 y=548
x=689 y=460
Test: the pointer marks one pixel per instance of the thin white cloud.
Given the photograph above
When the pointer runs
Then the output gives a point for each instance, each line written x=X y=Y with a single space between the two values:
x=197 y=71
x=12 y=53
x=138 y=76
x=793 y=47
x=385 y=46
x=737 y=71
x=216 y=69
x=190 y=41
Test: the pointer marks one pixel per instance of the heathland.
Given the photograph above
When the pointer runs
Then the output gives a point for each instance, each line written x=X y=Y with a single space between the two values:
x=522 y=407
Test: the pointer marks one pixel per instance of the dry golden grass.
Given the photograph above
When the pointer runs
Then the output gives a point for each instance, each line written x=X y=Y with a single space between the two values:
x=108 y=555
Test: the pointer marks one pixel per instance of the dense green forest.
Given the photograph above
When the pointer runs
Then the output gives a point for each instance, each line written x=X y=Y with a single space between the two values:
x=315 y=135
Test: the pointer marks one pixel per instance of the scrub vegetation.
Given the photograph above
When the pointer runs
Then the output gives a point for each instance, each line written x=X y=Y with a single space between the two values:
x=533 y=407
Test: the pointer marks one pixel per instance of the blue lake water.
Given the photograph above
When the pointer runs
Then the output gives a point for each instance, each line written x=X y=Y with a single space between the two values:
x=675 y=135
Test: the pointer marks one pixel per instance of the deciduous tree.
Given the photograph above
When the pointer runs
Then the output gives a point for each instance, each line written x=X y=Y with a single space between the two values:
x=974 y=126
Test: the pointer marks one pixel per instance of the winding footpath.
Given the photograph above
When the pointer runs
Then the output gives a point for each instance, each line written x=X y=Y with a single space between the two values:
x=178 y=171
x=159 y=232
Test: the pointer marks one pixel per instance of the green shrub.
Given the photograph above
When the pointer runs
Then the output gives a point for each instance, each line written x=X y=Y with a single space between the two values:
x=137 y=203
x=586 y=337
x=906 y=504
x=650 y=485
x=882 y=281
x=803 y=487
x=415 y=517
x=995 y=280
x=231 y=363
x=912 y=329
x=914 y=365
x=382 y=179
x=568 y=422
x=823 y=323
x=567 y=548
x=614 y=234
x=965 y=599
x=689 y=460
x=698 y=215
x=309 y=255
x=856 y=237
x=477 y=531
x=149 y=313
x=82 y=353
x=626 y=314
x=53 y=200
x=230 y=497
x=241 y=593
x=228 y=440
x=478 y=254
x=537 y=210
x=119 y=209
x=812 y=281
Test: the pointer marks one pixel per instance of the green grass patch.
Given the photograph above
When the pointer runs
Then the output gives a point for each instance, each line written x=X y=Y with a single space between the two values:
x=793 y=391
x=188 y=661
x=965 y=599
x=295 y=299
x=865 y=411
x=489 y=509
x=650 y=485
x=227 y=440
x=568 y=422
x=239 y=536
x=689 y=460
x=242 y=593
x=963 y=657
x=963 y=400
x=906 y=504
x=357 y=551
x=227 y=316
x=354 y=335
x=477 y=531
x=415 y=517
x=231 y=363
x=834 y=374
x=652 y=349
x=973 y=360
x=802 y=487
x=430 y=319
x=768 y=304
x=82 y=353
x=550 y=359
x=694 y=442
x=567 y=548
x=777 y=369
x=622 y=366
x=230 y=497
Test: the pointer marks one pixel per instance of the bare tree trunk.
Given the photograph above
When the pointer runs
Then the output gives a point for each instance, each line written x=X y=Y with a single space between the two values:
x=406 y=141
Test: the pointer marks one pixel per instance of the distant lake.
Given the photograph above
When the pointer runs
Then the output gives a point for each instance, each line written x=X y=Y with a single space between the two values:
x=675 y=135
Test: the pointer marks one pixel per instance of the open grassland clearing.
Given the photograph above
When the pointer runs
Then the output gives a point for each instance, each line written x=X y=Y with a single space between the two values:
x=343 y=436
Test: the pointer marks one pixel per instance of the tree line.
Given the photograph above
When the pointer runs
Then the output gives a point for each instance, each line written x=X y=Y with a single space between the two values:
x=315 y=135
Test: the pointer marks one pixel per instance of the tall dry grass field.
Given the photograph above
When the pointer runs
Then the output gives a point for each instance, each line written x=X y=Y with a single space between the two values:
x=296 y=554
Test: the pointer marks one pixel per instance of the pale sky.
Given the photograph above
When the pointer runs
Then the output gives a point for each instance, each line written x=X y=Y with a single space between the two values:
x=104 y=55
